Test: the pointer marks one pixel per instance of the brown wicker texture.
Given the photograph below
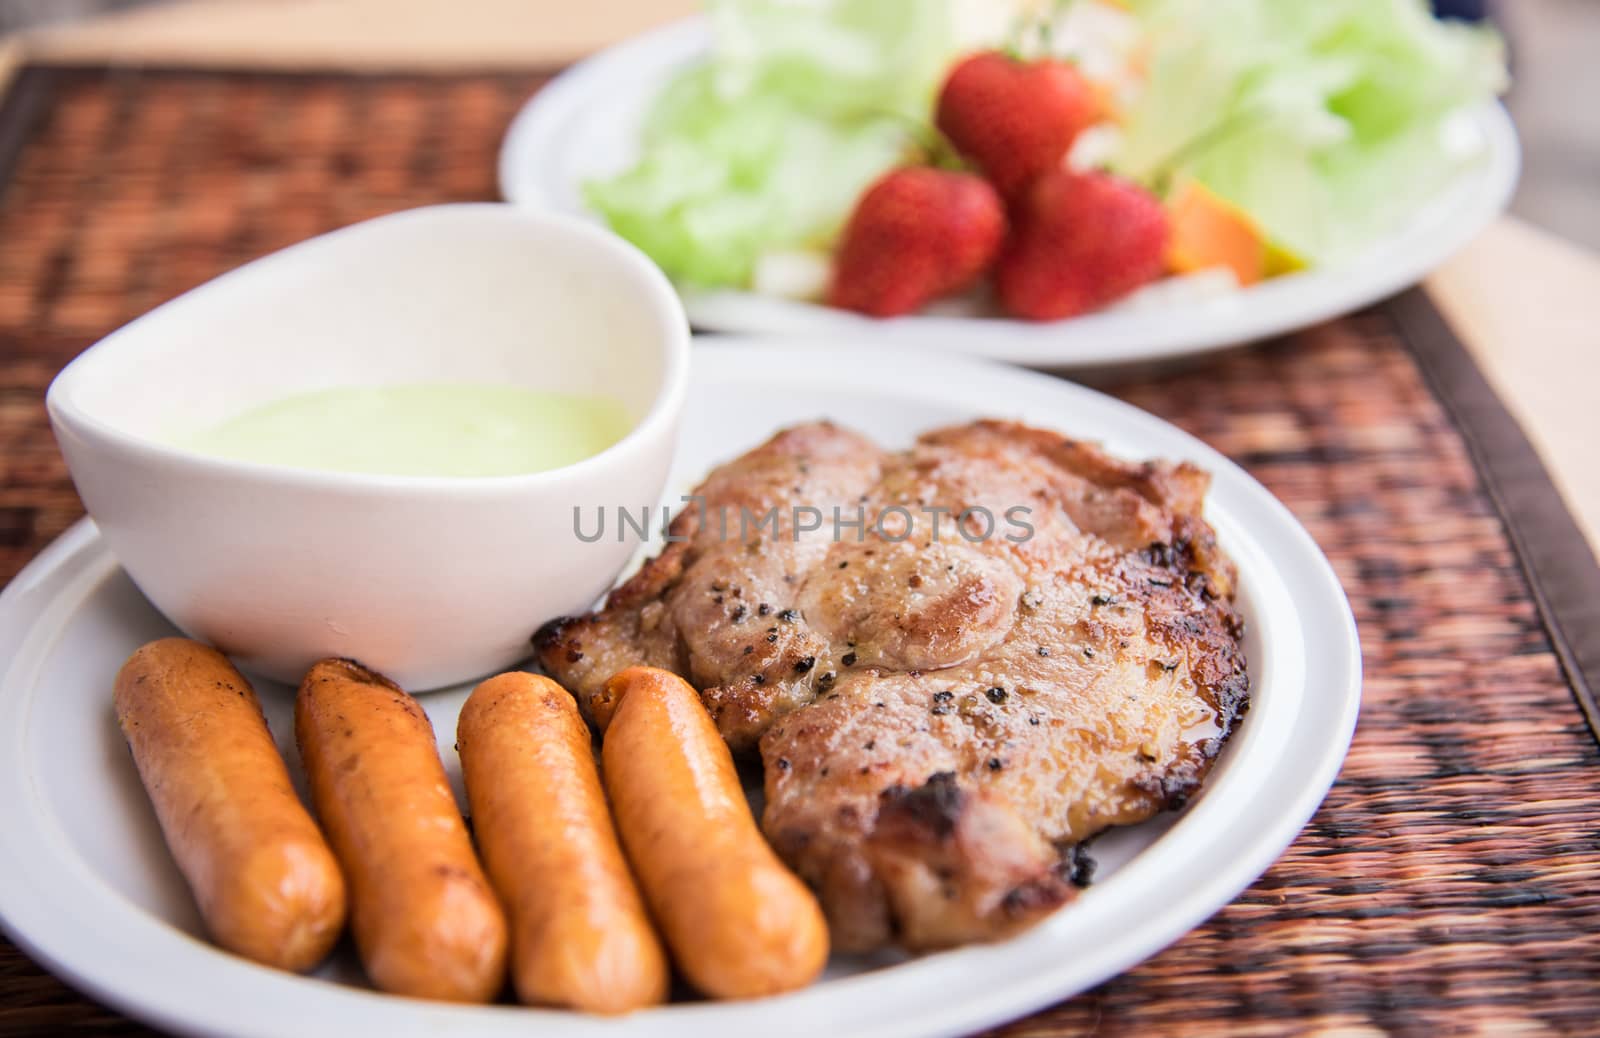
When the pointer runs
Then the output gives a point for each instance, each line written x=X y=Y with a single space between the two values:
x=1451 y=882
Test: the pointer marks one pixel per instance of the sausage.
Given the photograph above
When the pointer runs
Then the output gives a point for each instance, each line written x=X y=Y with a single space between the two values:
x=580 y=934
x=426 y=922
x=739 y=924
x=267 y=885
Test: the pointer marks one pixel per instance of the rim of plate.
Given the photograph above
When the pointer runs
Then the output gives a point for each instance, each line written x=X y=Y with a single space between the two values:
x=1478 y=195
x=1276 y=772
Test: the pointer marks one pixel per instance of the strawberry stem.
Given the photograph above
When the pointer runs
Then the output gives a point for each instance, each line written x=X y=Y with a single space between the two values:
x=1032 y=34
x=1021 y=37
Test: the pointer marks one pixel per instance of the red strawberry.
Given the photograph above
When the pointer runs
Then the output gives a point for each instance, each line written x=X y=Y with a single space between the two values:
x=1078 y=242
x=1014 y=119
x=915 y=235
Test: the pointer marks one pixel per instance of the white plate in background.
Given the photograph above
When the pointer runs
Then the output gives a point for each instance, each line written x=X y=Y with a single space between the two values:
x=87 y=886
x=584 y=125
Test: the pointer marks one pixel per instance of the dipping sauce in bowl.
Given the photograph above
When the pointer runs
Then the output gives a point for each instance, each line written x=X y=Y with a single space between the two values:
x=425 y=429
x=375 y=444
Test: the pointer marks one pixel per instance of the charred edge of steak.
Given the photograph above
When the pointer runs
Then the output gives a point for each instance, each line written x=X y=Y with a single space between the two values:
x=551 y=632
x=924 y=821
x=1165 y=556
x=1034 y=898
x=934 y=806
x=1216 y=624
x=1174 y=788
x=1232 y=694
x=557 y=643
x=1078 y=865
x=1190 y=564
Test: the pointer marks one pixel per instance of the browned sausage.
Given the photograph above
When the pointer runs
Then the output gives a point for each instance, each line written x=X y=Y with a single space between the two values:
x=267 y=884
x=739 y=924
x=580 y=934
x=426 y=923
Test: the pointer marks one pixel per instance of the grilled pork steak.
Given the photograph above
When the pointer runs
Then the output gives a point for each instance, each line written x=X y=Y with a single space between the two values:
x=945 y=704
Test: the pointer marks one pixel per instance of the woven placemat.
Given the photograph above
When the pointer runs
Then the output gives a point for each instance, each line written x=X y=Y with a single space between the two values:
x=1450 y=883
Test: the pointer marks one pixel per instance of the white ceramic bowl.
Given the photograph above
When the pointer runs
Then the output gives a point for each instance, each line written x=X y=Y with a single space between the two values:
x=432 y=581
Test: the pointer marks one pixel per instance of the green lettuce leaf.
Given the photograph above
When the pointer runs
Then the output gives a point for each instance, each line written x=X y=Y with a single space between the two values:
x=768 y=144
x=1322 y=119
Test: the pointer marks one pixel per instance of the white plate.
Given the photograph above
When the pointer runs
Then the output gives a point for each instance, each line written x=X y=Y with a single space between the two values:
x=87 y=886
x=585 y=123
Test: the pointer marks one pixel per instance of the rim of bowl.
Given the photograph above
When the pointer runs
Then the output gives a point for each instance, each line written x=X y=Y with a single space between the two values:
x=663 y=412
